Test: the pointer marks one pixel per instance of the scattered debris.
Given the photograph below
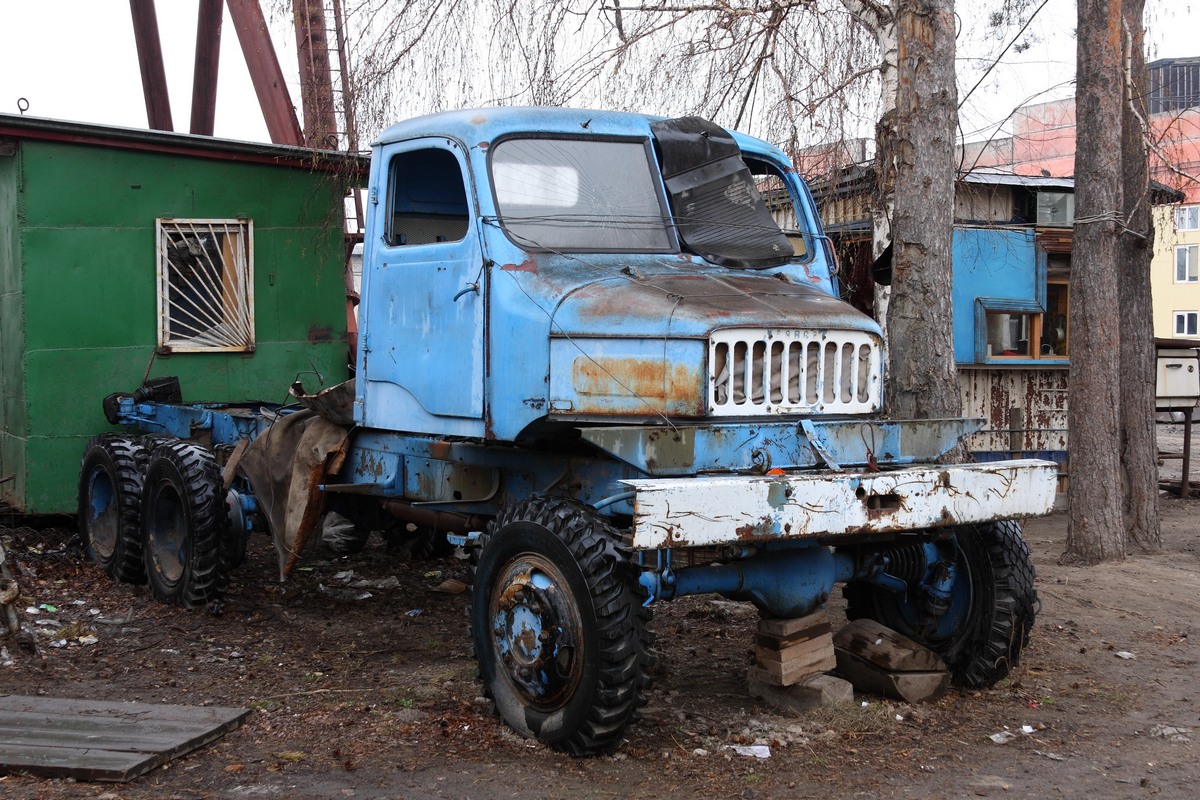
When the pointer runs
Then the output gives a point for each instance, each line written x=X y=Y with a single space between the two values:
x=734 y=607
x=125 y=620
x=750 y=750
x=1125 y=654
x=451 y=586
x=1171 y=732
x=1051 y=756
x=343 y=595
x=382 y=584
x=341 y=535
x=1003 y=737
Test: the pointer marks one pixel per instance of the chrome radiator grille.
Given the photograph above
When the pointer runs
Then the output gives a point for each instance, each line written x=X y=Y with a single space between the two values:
x=774 y=371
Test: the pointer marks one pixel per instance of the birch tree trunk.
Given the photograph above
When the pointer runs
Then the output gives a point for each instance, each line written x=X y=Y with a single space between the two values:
x=1095 y=527
x=916 y=141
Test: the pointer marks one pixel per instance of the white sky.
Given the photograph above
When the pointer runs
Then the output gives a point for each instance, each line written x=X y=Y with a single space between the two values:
x=76 y=59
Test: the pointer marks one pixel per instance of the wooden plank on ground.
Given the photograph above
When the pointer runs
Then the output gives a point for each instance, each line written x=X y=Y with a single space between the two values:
x=797 y=652
x=886 y=649
x=103 y=741
x=784 y=628
x=795 y=671
x=912 y=687
x=767 y=640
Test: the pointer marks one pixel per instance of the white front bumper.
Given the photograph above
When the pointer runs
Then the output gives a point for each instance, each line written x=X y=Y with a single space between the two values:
x=715 y=510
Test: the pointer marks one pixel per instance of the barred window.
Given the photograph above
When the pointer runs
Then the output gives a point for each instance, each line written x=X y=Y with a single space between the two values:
x=205 y=285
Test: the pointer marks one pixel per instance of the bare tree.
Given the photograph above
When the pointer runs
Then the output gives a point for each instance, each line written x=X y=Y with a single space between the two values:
x=1110 y=399
x=916 y=151
x=1138 y=446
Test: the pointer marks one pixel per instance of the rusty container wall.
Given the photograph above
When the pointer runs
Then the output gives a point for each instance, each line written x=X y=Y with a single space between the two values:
x=1025 y=409
x=78 y=308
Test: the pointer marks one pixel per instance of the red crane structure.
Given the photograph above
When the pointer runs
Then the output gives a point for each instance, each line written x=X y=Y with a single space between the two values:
x=320 y=131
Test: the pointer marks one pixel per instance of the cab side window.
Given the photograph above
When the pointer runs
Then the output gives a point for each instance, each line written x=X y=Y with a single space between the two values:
x=427 y=198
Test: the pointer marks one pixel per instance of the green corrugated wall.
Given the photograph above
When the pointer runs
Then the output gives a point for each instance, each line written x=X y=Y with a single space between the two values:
x=78 y=314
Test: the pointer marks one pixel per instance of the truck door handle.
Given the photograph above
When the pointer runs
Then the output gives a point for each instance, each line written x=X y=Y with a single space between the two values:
x=470 y=287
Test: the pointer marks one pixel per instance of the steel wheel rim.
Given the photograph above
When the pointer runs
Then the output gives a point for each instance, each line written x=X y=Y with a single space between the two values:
x=946 y=630
x=104 y=515
x=537 y=631
x=167 y=534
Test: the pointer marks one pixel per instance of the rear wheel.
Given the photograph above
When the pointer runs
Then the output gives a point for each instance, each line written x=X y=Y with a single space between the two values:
x=184 y=525
x=558 y=626
x=991 y=609
x=110 y=488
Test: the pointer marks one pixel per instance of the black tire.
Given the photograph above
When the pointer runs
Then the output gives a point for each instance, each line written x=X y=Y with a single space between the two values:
x=557 y=566
x=184 y=525
x=110 y=491
x=991 y=613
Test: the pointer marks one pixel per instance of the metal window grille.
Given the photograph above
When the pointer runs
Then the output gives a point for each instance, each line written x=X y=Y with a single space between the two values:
x=205 y=285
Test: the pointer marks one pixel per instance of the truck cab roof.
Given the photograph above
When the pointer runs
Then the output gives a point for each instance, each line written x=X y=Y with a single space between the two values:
x=478 y=126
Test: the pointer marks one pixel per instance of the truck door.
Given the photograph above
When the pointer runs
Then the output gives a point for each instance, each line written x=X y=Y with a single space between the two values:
x=422 y=337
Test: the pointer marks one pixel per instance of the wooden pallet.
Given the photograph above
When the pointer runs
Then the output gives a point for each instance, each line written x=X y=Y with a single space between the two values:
x=102 y=741
x=879 y=660
x=790 y=650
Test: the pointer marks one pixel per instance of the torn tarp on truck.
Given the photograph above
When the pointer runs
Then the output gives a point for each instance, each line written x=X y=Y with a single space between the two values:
x=288 y=462
x=718 y=211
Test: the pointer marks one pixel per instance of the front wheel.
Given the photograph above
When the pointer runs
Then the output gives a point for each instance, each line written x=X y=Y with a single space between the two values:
x=992 y=605
x=558 y=626
x=184 y=525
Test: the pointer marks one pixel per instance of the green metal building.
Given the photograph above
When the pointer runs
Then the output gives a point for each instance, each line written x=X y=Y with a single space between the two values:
x=127 y=254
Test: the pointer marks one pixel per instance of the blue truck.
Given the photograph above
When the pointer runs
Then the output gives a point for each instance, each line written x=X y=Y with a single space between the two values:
x=605 y=352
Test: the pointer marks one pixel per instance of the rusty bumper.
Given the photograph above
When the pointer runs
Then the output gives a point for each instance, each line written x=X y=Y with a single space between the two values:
x=716 y=510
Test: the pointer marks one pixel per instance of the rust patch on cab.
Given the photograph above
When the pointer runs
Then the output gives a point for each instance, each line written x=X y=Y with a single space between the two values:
x=644 y=377
x=528 y=265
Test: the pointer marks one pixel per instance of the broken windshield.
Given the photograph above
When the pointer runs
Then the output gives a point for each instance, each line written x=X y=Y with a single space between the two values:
x=580 y=194
x=718 y=209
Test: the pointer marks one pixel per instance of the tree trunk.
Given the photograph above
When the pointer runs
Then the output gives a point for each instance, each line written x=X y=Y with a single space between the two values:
x=1095 y=526
x=1138 y=445
x=923 y=381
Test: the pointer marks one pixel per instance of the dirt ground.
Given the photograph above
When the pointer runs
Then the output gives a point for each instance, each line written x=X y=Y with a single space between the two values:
x=375 y=697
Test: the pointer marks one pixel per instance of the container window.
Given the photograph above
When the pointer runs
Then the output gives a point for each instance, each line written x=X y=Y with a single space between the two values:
x=205 y=285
